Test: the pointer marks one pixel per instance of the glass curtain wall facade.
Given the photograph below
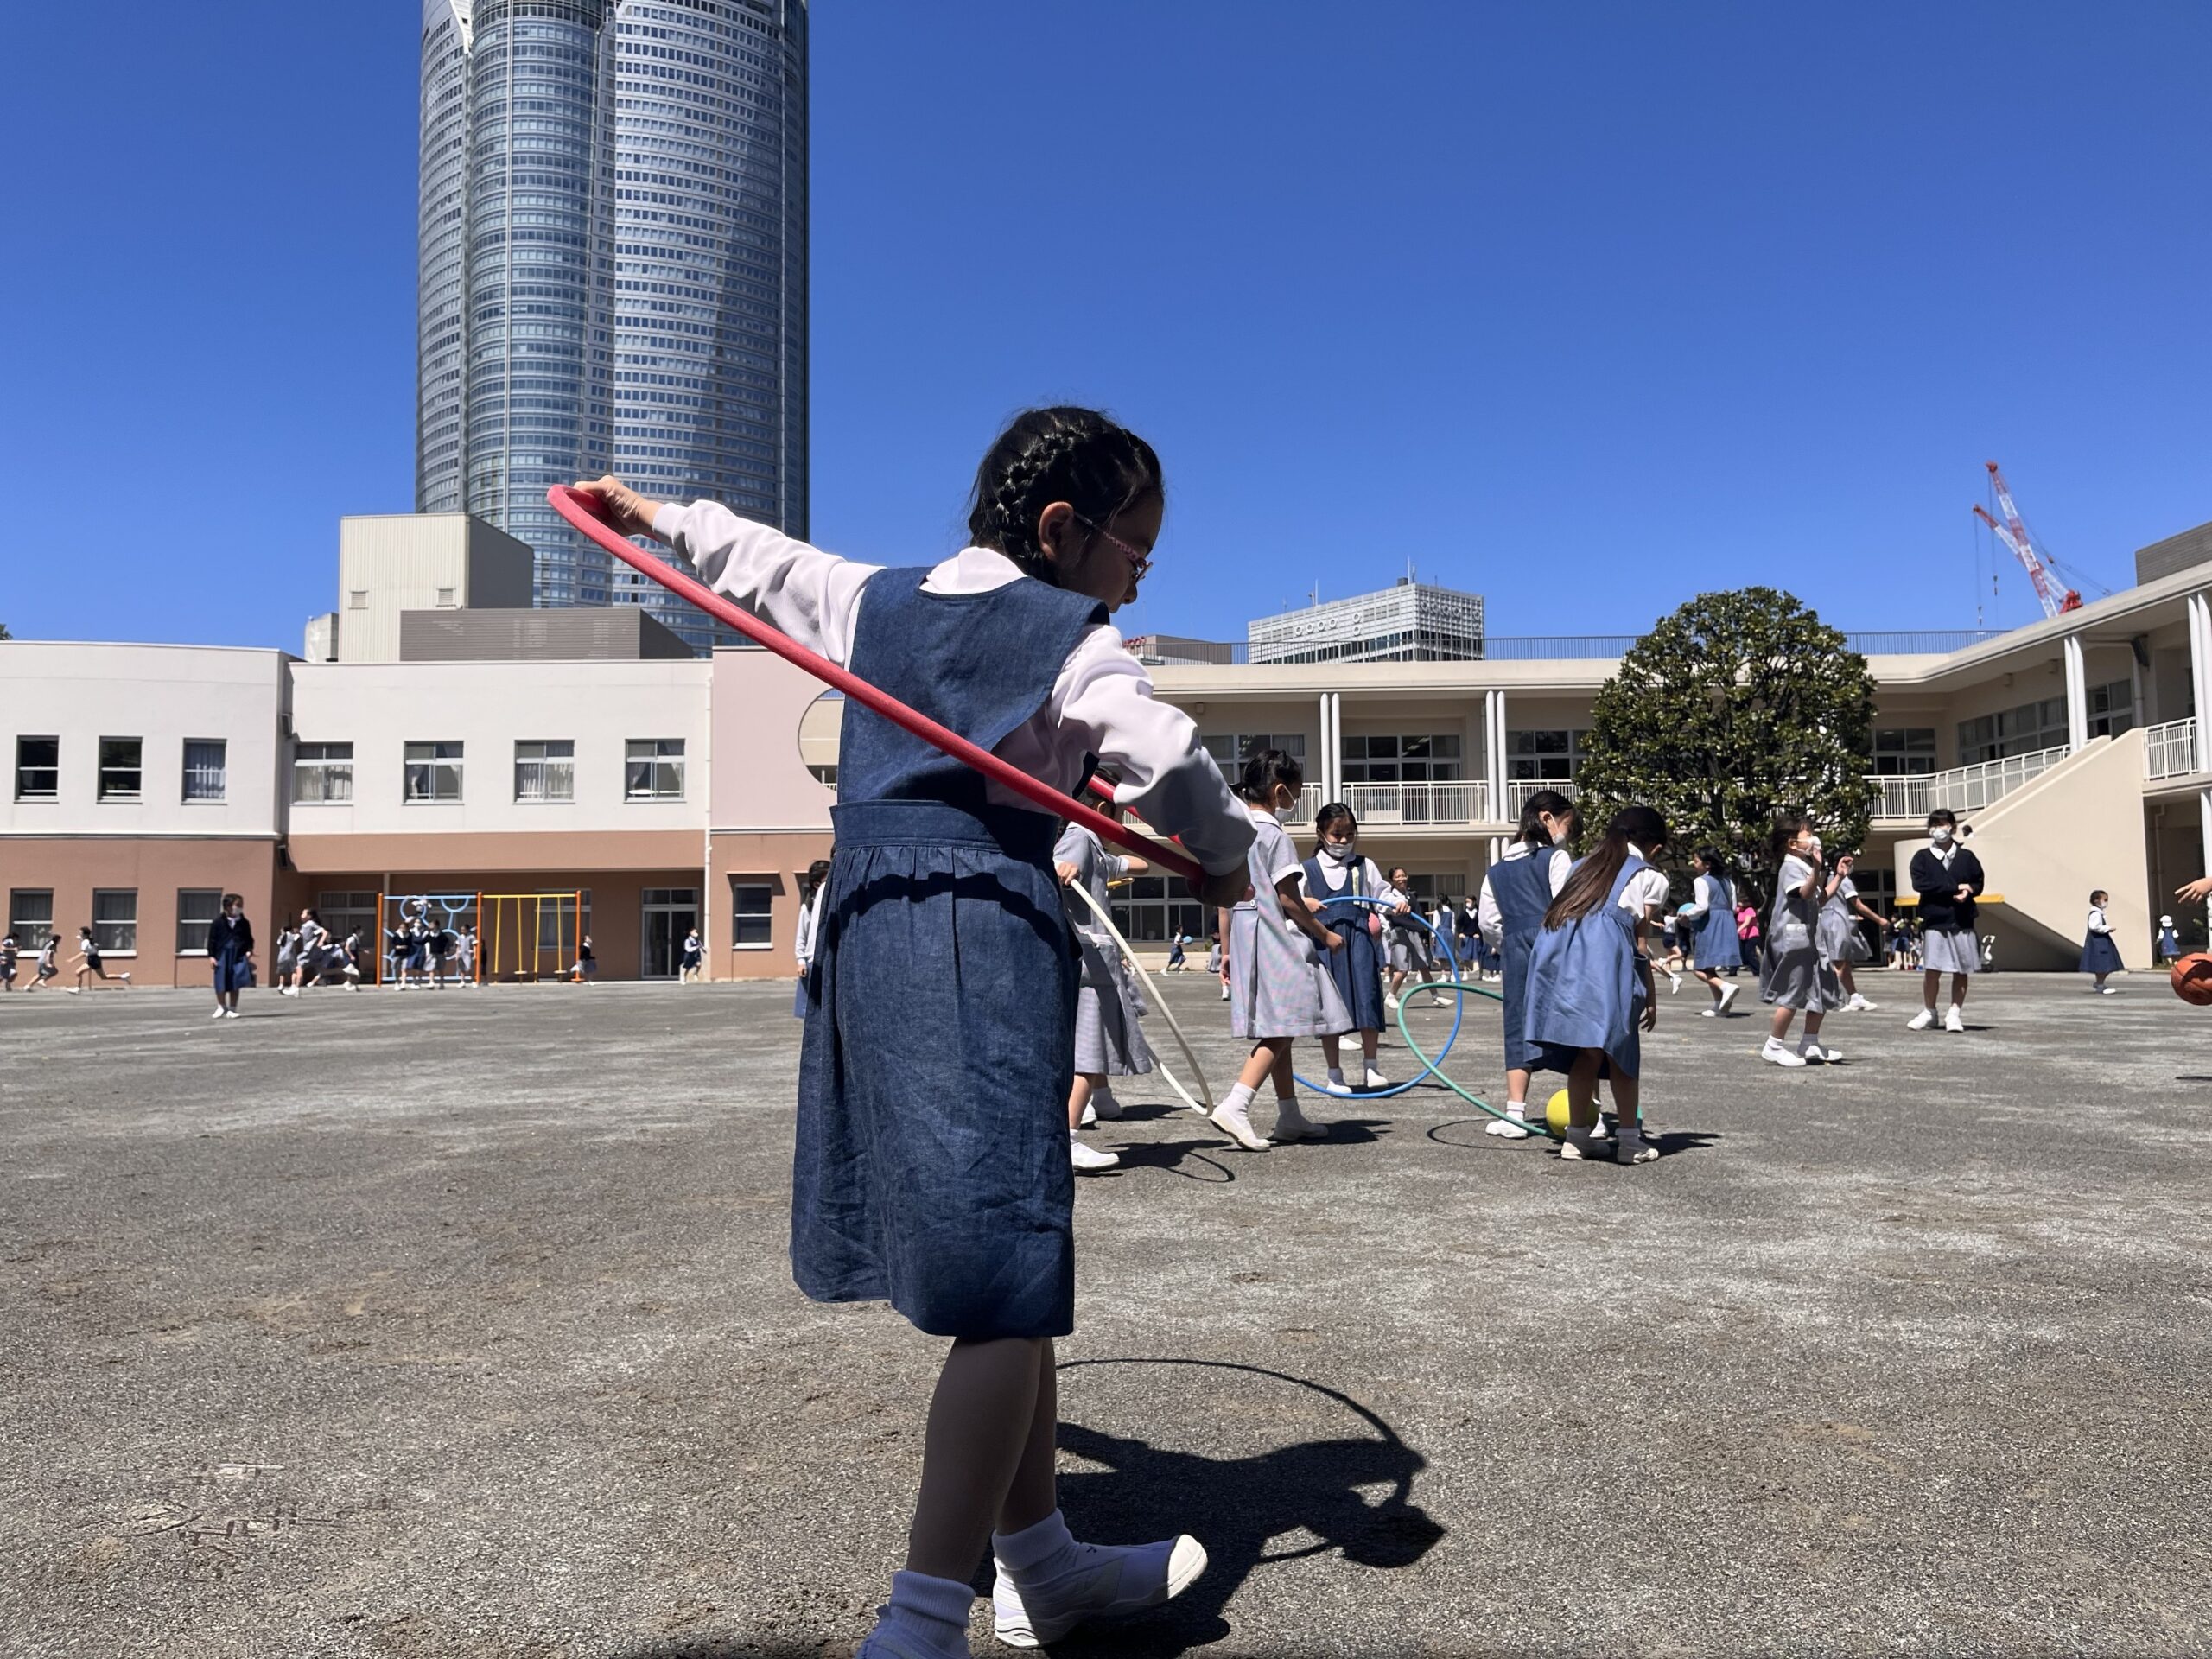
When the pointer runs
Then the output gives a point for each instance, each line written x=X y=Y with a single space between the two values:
x=631 y=293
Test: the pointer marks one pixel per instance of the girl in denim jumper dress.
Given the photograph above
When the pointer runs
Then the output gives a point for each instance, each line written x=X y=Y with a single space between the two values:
x=1590 y=981
x=1517 y=893
x=931 y=1165
x=1335 y=875
x=1711 y=914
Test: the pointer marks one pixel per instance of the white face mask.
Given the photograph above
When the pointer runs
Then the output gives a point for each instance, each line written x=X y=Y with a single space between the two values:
x=1939 y=835
x=1343 y=851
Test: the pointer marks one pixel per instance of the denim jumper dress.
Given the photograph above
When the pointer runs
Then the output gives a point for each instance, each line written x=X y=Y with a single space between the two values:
x=1718 y=946
x=931 y=1164
x=1584 y=988
x=1358 y=969
x=1523 y=887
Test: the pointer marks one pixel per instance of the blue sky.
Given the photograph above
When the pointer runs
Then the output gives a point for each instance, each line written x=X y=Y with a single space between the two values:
x=1586 y=309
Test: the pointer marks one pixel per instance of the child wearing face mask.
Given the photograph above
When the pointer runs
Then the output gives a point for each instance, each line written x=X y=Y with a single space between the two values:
x=1281 y=988
x=1798 y=975
x=931 y=1165
x=1947 y=878
x=1335 y=875
x=1518 y=890
x=1710 y=916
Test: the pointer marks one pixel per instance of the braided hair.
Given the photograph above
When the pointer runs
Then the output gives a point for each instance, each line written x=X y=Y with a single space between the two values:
x=1062 y=453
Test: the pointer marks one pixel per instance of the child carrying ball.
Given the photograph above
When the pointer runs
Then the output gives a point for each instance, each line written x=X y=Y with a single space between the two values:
x=931 y=1166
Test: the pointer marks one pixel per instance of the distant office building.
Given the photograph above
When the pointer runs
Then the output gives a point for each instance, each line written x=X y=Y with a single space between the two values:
x=613 y=247
x=1173 y=651
x=1410 y=622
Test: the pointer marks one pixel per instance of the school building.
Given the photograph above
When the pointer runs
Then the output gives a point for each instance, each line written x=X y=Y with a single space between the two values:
x=568 y=782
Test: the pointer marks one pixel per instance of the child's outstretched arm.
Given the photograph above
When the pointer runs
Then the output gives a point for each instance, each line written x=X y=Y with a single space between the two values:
x=799 y=590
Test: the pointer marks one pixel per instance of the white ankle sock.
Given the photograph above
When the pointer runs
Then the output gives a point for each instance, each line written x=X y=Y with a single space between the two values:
x=1517 y=1109
x=1036 y=1552
x=934 y=1610
x=1240 y=1095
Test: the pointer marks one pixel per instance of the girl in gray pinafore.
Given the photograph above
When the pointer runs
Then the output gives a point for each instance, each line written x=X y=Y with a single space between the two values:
x=1107 y=1041
x=931 y=1160
x=1797 y=974
x=1280 y=987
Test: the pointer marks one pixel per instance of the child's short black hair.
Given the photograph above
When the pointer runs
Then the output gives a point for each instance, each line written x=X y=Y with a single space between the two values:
x=1334 y=813
x=1267 y=770
x=1062 y=453
x=1943 y=814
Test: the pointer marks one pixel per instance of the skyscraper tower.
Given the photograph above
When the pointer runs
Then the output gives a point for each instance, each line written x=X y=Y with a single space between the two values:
x=613 y=268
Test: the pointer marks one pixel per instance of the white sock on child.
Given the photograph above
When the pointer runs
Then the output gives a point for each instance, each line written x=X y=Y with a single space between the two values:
x=925 y=1613
x=1240 y=1095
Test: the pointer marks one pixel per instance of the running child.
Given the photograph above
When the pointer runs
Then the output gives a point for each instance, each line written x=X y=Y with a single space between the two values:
x=931 y=1165
x=7 y=962
x=1335 y=876
x=2099 y=956
x=690 y=965
x=1798 y=976
x=1590 y=985
x=86 y=962
x=2169 y=942
x=1509 y=914
x=1108 y=1041
x=1281 y=988
x=1711 y=917
x=587 y=968
x=49 y=951
x=1947 y=878
x=1841 y=940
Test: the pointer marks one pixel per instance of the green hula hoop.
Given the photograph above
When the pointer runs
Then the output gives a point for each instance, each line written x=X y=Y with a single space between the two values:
x=1535 y=1125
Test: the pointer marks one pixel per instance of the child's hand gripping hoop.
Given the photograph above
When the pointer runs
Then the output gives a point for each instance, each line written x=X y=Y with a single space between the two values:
x=581 y=510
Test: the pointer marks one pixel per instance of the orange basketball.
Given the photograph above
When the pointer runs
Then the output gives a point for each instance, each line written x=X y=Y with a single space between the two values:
x=2192 y=979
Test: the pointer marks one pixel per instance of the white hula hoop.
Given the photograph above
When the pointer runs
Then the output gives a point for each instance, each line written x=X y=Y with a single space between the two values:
x=1158 y=1001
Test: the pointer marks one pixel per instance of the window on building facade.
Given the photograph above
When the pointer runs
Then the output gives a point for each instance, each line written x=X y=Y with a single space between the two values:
x=30 y=916
x=322 y=772
x=345 y=913
x=1904 y=751
x=544 y=771
x=2112 y=708
x=561 y=926
x=445 y=599
x=1544 y=754
x=38 y=768
x=204 y=766
x=358 y=599
x=1148 y=913
x=122 y=770
x=115 y=919
x=2024 y=730
x=1231 y=749
x=1402 y=760
x=653 y=769
x=752 y=915
x=433 y=771
x=196 y=910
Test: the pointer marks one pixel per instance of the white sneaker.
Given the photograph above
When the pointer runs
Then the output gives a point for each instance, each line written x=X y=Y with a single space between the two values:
x=1336 y=1085
x=220 y=1010
x=1858 y=1004
x=1713 y=1012
x=1816 y=1054
x=232 y=1014
x=1954 y=1020
x=1437 y=1000
x=1103 y=1582
x=1376 y=1079
x=1781 y=1054
x=1727 y=997
x=1512 y=1126
x=286 y=990
x=1103 y=1103
x=1389 y=1001
x=1577 y=1146
x=1673 y=983
x=1236 y=1122
x=1291 y=1124
x=1086 y=1158
x=1090 y=1114
x=76 y=990
x=1922 y=1020
x=1224 y=993
x=2108 y=990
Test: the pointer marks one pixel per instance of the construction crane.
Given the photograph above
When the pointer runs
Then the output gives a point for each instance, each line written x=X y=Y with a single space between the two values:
x=2014 y=534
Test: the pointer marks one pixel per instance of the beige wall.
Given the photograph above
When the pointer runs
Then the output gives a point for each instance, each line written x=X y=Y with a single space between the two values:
x=402 y=561
x=763 y=783
x=156 y=869
x=779 y=859
x=162 y=694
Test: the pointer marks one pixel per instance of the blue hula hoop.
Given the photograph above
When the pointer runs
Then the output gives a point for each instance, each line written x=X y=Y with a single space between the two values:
x=1428 y=1066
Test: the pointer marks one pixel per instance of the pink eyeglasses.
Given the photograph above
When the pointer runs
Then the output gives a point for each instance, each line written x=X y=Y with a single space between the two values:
x=1139 y=562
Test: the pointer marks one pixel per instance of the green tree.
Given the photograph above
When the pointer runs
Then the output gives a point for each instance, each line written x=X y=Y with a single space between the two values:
x=1738 y=706
x=4 y=634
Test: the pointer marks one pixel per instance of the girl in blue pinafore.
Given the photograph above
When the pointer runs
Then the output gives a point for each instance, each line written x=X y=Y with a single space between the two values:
x=1335 y=875
x=1590 y=981
x=1711 y=914
x=1517 y=893
x=931 y=1163
x=2099 y=956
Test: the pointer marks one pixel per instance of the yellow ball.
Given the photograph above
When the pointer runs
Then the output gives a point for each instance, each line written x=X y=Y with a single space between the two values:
x=1555 y=1113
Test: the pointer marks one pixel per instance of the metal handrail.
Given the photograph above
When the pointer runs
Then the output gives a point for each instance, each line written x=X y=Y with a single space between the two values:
x=1962 y=789
x=2170 y=751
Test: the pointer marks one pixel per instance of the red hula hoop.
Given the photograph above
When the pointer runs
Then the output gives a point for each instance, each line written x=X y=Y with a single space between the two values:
x=581 y=510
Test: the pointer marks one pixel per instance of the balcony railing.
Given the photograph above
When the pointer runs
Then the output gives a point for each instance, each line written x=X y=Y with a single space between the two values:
x=2170 y=751
x=1419 y=803
x=1962 y=789
x=1518 y=791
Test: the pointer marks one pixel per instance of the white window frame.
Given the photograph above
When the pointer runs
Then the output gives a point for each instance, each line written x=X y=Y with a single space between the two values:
x=101 y=791
x=324 y=766
x=101 y=923
x=53 y=794
x=18 y=924
x=433 y=762
x=553 y=766
x=222 y=772
x=737 y=917
x=662 y=755
x=198 y=924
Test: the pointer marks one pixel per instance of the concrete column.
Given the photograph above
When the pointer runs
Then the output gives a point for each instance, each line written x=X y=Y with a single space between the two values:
x=1336 y=746
x=2200 y=669
x=1494 y=751
x=2078 y=694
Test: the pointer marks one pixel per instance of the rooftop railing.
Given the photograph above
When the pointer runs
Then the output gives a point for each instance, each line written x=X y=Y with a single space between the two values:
x=2170 y=751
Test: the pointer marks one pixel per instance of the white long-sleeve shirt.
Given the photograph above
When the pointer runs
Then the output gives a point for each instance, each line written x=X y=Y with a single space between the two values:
x=809 y=916
x=1101 y=700
x=1707 y=894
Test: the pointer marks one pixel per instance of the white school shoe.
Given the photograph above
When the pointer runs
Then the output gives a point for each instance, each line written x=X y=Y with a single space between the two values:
x=1858 y=1004
x=1376 y=1079
x=1673 y=983
x=2108 y=990
x=1818 y=1054
x=220 y=1010
x=1090 y=1114
x=1781 y=1054
x=1922 y=1020
x=1727 y=998
x=1224 y=993
x=1390 y=1002
x=1292 y=1124
x=1236 y=1122
x=1103 y=1583
x=1336 y=1084
x=232 y=1014
x=1512 y=1126
x=1954 y=1020
x=1089 y=1159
